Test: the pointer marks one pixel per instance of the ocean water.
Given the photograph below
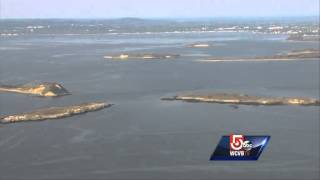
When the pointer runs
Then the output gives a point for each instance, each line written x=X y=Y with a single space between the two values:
x=141 y=136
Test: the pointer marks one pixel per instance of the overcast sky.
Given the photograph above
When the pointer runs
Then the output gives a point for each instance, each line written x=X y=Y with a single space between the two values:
x=156 y=8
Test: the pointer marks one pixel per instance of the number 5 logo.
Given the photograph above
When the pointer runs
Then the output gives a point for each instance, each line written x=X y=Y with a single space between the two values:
x=236 y=142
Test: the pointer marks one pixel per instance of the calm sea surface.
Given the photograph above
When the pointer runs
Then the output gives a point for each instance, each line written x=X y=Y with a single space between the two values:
x=142 y=136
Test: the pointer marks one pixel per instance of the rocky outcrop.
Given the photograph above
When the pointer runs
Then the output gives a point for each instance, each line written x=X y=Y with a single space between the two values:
x=54 y=112
x=231 y=98
x=45 y=89
x=142 y=56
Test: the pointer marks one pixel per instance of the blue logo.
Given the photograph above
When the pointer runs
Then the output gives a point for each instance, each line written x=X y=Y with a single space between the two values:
x=240 y=147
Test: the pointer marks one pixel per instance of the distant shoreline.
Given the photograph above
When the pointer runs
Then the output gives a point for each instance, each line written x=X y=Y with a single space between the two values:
x=295 y=55
x=255 y=60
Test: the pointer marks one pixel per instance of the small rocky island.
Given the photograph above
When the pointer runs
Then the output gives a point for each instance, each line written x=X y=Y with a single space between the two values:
x=305 y=54
x=54 y=112
x=200 y=45
x=232 y=98
x=46 y=89
x=146 y=56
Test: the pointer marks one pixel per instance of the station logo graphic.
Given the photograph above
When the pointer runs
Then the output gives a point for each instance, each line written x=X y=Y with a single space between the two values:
x=240 y=147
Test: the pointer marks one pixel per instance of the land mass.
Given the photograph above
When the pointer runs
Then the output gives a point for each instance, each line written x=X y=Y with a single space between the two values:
x=289 y=56
x=45 y=89
x=232 y=98
x=54 y=112
x=304 y=37
x=200 y=45
x=142 y=56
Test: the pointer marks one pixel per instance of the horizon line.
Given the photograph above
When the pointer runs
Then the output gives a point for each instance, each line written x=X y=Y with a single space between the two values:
x=154 y=18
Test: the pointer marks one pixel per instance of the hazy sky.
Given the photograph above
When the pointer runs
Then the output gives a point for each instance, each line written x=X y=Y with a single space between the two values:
x=155 y=8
